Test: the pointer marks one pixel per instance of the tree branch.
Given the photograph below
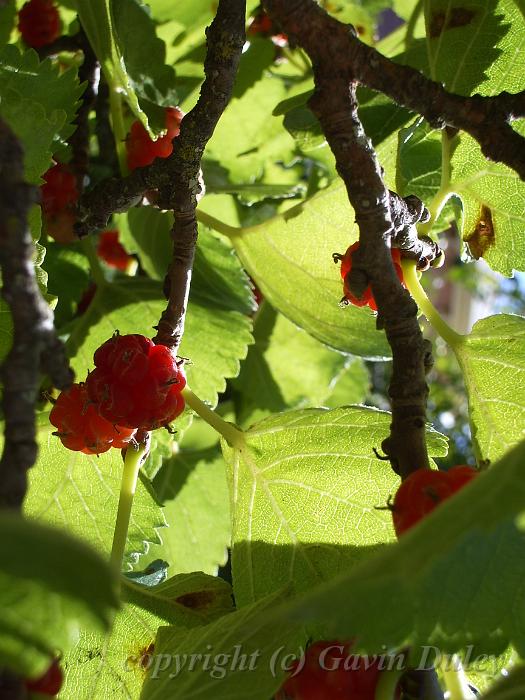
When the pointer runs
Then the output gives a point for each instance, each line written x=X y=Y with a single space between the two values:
x=35 y=345
x=177 y=178
x=179 y=175
x=484 y=118
x=225 y=38
x=114 y=195
x=378 y=215
x=382 y=218
x=65 y=42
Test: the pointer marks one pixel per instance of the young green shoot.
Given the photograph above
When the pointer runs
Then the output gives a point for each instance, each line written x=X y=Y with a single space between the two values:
x=229 y=432
x=128 y=486
x=455 y=679
x=411 y=277
x=387 y=684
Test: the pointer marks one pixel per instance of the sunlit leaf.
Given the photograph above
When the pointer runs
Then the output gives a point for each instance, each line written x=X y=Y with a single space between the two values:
x=447 y=583
x=114 y=664
x=306 y=488
x=79 y=493
x=492 y=358
x=245 y=660
x=51 y=587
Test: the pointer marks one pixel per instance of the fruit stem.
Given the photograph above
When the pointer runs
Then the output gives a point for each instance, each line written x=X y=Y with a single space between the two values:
x=413 y=284
x=128 y=486
x=119 y=129
x=95 y=267
x=232 y=435
x=455 y=679
x=387 y=684
x=220 y=226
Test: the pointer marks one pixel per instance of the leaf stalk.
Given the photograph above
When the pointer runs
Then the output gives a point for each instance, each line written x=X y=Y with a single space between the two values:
x=132 y=463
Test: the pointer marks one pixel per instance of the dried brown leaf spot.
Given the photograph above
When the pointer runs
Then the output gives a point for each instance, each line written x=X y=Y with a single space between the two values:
x=197 y=600
x=483 y=236
x=456 y=17
x=142 y=660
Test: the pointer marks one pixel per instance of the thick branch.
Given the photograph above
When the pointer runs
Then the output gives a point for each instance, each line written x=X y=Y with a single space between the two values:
x=381 y=217
x=35 y=345
x=485 y=118
x=357 y=165
x=334 y=103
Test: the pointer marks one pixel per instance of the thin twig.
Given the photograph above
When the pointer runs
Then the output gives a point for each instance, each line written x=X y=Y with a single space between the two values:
x=406 y=213
x=177 y=178
x=65 y=42
x=112 y=196
x=180 y=183
x=35 y=345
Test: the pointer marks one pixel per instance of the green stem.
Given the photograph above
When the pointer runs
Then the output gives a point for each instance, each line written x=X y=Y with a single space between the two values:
x=95 y=267
x=411 y=24
x=455 y=679
x=220 y=226
x=305 y=59
x=229 y=432
x=446 y=154
x=387 y=684
x=128 y=486
x=413 y=284
x=119 y=129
